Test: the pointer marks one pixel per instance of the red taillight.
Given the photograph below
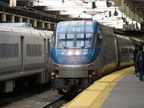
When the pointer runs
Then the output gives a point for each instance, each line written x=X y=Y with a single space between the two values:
x=52 y=73
x=94 y=73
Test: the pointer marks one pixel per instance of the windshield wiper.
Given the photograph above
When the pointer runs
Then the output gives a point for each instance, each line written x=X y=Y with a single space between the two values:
x=83 y=46
x=64 y=47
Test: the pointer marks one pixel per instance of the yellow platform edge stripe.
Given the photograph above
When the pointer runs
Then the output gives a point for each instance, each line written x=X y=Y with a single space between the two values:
x=96 y=94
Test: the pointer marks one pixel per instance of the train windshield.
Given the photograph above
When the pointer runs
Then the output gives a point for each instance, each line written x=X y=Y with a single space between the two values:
x=72 y=40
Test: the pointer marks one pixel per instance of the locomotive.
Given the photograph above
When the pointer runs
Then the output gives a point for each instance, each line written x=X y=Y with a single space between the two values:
x=24 y=57
x=84 y=51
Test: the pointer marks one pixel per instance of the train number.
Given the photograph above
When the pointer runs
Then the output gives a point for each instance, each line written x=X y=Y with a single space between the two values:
x=76 y=28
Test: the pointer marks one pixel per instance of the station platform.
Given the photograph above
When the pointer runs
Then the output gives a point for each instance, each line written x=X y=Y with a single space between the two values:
x=120 y=89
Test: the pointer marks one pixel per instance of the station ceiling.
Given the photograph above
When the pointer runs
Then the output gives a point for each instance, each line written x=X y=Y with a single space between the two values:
x=106 y=11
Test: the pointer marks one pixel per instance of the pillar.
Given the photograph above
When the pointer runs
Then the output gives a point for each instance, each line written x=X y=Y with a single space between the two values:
x=3 y=17
x=12 y=3
x=20 y=19
x=42 y=25
x=12 y=18
x=34 y=24
x=28 y=20
x=49 y=26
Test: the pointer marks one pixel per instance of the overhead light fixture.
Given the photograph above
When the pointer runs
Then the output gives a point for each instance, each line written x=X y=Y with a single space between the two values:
x=108 y=4
x=63 y=1
x=115 y=12
x=84 y=11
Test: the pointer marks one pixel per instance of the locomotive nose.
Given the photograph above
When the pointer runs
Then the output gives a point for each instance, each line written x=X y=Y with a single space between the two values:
x=74 y=56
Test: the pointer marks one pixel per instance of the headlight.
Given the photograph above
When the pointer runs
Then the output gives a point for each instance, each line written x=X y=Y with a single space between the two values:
x=91 y=66
x=77 y=52
x=62 y=52
x=56 y=67
x=69 y=53
x=85 y=52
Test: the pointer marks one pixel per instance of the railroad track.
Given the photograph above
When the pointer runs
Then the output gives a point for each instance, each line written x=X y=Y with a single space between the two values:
x=18 y=95
x=45 y=99
x=59 y=102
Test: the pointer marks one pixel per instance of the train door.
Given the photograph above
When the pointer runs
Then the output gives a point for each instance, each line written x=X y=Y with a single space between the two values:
x=45 y=54
x=46 y=75
x=48 y=52
x=22 y=53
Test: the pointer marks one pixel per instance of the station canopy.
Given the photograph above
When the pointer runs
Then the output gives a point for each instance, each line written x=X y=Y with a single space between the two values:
x=115 y=13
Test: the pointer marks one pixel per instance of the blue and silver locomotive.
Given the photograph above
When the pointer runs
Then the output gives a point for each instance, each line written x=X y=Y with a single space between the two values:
x=83 y=51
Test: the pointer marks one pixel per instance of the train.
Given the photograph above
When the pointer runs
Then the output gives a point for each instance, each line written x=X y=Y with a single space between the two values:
x=84 y=51
x=24 y=56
